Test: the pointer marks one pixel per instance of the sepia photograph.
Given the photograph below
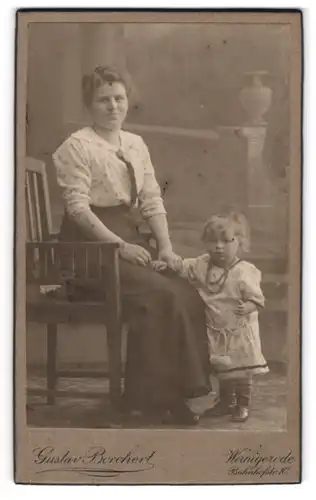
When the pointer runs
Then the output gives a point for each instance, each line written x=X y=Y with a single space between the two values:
x=158 y=247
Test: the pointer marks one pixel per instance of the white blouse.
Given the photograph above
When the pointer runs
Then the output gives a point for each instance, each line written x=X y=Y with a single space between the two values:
x=90 y=173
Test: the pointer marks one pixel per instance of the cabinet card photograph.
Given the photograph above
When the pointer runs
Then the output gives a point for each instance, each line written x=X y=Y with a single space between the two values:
x=158 y=247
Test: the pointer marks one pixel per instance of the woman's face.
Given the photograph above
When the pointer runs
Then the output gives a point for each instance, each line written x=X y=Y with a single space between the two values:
x=109 y=106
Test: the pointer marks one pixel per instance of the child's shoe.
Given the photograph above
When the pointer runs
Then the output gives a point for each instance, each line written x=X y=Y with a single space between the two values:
x=240 y=414
x=243 y=395
x=225 y=406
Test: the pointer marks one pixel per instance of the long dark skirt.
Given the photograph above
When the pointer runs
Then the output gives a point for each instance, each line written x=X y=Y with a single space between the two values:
x=167 y=351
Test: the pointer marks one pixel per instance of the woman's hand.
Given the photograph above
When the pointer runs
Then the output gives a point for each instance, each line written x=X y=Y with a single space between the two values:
x=135 y=254
x=173 y=260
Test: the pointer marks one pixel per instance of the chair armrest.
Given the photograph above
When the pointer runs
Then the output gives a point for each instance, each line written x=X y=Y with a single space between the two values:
x=72 y=244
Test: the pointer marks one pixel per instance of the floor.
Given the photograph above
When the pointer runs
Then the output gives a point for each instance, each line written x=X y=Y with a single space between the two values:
x=268 y=410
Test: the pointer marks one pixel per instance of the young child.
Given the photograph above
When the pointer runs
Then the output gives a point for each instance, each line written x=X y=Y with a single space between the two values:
x=230 y=288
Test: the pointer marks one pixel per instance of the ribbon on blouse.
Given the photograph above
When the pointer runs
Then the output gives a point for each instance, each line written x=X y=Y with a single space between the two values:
x=131 y=173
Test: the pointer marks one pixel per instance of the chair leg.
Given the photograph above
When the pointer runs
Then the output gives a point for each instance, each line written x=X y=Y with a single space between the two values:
x=114 y=355
x=113 y=325
x=51 y=361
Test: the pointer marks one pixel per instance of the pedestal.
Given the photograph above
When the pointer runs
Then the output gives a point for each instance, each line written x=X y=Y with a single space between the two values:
x=262 y=203
x=261 y=195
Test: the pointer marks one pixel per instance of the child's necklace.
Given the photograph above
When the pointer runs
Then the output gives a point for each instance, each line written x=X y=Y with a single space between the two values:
x=216 y=286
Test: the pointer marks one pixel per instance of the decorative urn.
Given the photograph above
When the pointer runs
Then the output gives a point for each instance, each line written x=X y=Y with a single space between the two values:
x=256 y=98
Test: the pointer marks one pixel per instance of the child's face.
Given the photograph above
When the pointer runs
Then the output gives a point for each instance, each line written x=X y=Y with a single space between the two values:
x=222 y=245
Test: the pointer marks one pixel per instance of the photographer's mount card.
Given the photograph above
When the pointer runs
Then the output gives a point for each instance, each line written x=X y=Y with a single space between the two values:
x=158 y=247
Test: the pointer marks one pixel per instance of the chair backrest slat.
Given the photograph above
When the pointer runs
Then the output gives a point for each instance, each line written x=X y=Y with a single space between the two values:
x=38 y=213
x=37 y=207
x=30 y=221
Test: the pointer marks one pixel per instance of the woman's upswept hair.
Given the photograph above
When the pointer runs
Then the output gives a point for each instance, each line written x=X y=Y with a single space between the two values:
x=233 y=220
x=100 y=75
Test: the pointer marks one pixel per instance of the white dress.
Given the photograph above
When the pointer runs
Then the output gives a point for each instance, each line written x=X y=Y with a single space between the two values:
x=234 y=341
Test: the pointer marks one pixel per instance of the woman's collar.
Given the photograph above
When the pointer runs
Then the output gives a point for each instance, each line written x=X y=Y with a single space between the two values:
x=101 y=140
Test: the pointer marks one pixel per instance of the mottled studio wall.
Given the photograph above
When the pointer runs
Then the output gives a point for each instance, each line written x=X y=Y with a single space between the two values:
x=186 y=76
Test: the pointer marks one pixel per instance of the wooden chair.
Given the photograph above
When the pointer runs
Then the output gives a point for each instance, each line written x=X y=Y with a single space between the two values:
x=44 y=267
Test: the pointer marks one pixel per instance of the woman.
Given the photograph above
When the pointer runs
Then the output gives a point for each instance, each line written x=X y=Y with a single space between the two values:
x=105 y=173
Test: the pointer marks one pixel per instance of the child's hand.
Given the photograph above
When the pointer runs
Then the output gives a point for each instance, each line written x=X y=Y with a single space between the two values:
x=173 y=260
x=245 y=308
x=177 y=265
x=158 y=265
x=191 y=274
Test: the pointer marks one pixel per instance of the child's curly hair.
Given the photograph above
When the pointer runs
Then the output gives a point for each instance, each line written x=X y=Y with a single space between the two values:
x=233 y=220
